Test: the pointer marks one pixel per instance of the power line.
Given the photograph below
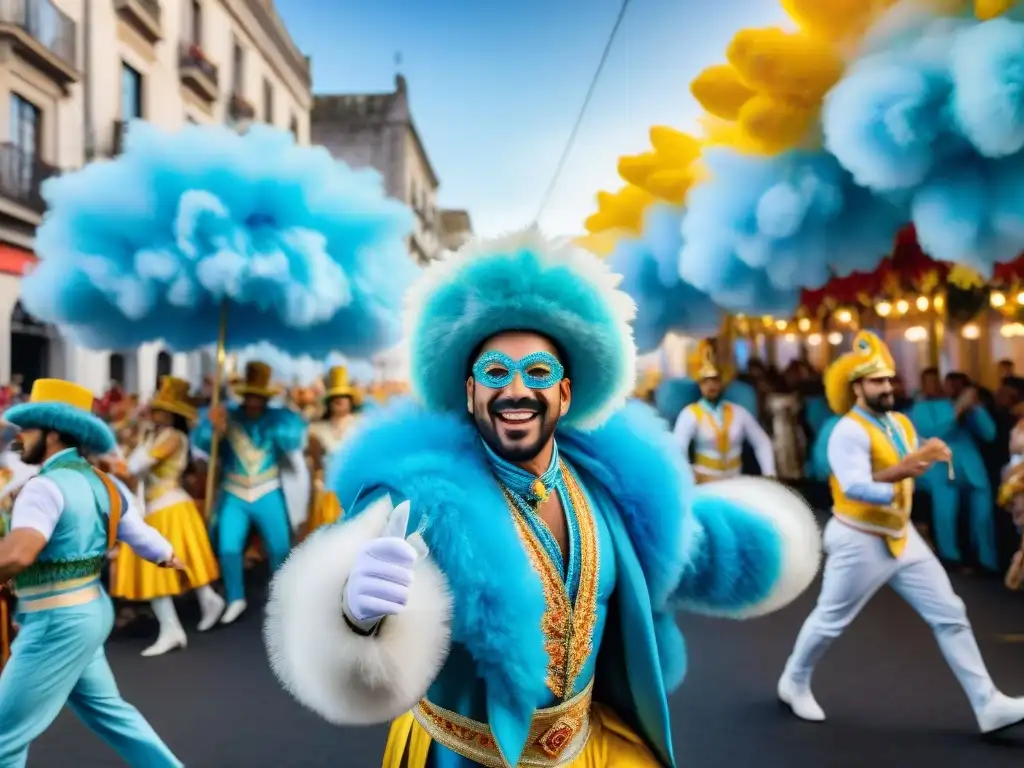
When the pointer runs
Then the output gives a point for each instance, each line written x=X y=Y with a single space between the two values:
x=582 y=113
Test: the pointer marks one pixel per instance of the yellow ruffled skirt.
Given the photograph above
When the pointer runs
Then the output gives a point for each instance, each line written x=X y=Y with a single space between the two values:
x=181 y=524
x=611 y=744
x=326 y=510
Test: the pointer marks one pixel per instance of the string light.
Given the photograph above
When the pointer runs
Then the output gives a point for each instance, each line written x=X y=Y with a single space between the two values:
x=997 y=300
x=814 y=339
x=922 y=303
x=790 y=337
x=835 y=338
x=803 y=324
x=970 y=331
x=916 y=333
x=780 y=325
x=844 y=316
x=902 y=306
x=883 y=309
x=939 y=302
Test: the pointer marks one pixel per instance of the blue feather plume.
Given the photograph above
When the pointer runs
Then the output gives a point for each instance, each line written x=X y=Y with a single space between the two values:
x=762 y=228
x=649 y=266
x=932 y=116
x=309 y=254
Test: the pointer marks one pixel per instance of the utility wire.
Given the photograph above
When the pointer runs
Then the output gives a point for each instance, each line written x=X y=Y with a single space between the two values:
x=582 y=113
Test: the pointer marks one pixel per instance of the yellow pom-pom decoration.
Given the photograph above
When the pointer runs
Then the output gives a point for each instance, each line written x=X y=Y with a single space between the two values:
x=679 y=148
x=990 y=9
x=670 y=185
x=721 y=91
x=836 y=19
x=636 y=169
x=790 y=65
x=774 y=126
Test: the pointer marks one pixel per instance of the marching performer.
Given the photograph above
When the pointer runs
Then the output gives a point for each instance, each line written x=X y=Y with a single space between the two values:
x=342 y=402
x=874 y=457
x=517 y=607
x=159 y=463
x=719 y=427
x=264 y=482
x=64 y=522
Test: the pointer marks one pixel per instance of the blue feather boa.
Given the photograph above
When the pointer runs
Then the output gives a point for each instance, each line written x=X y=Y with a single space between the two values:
x=437 y=462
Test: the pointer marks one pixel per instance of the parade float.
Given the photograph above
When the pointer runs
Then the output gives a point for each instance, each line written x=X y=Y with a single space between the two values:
x=861 y=167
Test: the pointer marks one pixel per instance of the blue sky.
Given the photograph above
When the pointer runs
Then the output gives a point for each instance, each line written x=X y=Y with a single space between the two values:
x=495 y=86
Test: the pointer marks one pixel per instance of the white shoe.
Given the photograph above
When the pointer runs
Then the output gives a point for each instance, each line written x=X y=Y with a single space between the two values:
x=800 y=700
x=1000 y=712
x=212 y=607
x=166 y=643
x=235 y=609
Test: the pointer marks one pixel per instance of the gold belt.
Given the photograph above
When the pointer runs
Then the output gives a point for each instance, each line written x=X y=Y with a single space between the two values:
x=65 y=600
x=557 y=734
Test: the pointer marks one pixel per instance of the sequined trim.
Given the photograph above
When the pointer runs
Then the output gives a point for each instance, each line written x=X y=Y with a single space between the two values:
x=251 y=457
x=556 y=737
x=568 y=629
x=45 y=572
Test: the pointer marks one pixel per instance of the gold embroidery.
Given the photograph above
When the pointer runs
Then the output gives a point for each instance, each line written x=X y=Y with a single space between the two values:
x=568 y=630
x=556 y=736
x=170 y=450
x=249 y=456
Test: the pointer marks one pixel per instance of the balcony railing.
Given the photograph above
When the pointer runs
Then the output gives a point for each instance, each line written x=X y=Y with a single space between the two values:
x=22 y=175
x=198 y=71
x=240 y=108
x=44 y=23
x=144 y=15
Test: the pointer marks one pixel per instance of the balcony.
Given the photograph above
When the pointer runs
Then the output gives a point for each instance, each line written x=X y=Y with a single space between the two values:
x=40 y=34
x=197 y=73
x=143 y=16
x=241 y=109
x=21 y=178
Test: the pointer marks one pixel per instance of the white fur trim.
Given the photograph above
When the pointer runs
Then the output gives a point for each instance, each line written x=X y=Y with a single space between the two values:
x=798 y=531
x=345 y=678
x=556 y=252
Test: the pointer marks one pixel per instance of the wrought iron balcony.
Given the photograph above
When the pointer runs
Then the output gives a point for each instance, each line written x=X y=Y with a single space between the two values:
x=43 y=35
x=144 y=15
x=198 y=73
x=22 y=175
x=240 y=108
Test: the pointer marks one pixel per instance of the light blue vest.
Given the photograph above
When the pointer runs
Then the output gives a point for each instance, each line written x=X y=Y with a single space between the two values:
x=78 y=545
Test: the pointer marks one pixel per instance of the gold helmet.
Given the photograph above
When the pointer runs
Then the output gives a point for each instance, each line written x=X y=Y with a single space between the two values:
x=870 y=357
x=703 y=362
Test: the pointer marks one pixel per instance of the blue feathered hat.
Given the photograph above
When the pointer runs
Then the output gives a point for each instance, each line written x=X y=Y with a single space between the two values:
x=63 y=407
x=523 y=282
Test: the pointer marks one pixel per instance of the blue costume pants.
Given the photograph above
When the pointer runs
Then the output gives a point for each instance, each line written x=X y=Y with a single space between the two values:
x=58 y=658
x=946 y=497
x=235 y=518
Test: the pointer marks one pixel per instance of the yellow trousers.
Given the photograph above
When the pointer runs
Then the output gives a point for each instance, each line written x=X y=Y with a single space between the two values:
x=611 y=744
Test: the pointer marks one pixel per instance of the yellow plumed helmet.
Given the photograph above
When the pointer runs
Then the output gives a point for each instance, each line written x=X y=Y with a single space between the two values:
x=703 y=362
x=870 y=357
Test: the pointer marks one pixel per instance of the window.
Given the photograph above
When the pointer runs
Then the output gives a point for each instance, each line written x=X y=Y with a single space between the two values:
x=26 y=126
x=294 y=127
x=197 y=23
x=131 y=93
x=268 y=102
x=238 y=70
x=164 y=366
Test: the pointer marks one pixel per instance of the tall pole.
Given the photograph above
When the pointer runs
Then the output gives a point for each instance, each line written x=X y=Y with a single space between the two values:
x=218 y=376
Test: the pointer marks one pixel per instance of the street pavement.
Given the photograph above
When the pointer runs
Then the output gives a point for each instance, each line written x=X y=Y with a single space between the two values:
x=890 y=699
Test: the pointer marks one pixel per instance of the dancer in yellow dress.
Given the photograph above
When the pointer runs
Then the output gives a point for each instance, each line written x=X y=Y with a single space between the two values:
x=159 y=462
x=343 y=402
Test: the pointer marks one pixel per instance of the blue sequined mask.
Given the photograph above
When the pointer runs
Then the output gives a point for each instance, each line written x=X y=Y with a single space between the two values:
x=496 y=370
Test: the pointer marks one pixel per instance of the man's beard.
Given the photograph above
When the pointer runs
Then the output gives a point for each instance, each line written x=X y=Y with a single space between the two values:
x=881 y=403
x=34 y=456
x=512 y=448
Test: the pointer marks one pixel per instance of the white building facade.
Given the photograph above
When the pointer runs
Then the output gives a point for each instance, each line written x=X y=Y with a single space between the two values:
x=73 y=73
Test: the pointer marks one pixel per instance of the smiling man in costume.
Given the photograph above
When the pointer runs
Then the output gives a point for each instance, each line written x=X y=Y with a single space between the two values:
x=874 y=456
x=518 y=605
x=64 y=522
x=718 y=428
x=264 y=479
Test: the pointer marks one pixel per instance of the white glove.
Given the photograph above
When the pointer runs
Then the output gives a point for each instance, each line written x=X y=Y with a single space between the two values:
x=379 y=583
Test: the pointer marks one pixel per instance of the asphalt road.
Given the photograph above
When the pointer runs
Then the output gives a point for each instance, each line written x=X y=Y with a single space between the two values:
x=891 y=700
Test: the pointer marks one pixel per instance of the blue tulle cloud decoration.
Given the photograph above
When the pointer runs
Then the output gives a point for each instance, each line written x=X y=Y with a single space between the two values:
x=302 y=369
x=762 y=228
x=933 y=117
x=649 y=266
x=308 y=253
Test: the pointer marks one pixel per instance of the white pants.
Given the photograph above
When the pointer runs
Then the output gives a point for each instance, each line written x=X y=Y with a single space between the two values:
x=858 y=564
